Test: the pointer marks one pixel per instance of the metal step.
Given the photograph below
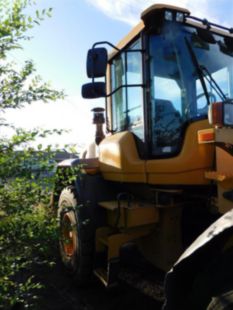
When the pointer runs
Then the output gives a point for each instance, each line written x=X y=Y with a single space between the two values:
x=113 y=205
x=103 y=240
x=129 y=215
x=101 y=274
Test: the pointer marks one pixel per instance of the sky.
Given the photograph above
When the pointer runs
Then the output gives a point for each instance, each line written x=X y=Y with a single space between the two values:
x=59 y=47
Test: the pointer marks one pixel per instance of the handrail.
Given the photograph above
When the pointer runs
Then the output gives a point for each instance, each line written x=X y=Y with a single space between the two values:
x=208 y=25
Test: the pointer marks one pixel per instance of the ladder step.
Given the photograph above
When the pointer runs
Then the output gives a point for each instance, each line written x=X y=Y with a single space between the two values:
x=137 y=213
x=103 y=240
x=109 y=205
x=101 y=273
x=113 y=205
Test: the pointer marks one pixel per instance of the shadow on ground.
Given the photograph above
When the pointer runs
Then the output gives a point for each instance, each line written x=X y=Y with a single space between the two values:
x=61 y=293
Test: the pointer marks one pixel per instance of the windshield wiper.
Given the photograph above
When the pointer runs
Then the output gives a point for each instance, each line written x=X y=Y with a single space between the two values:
x=213 y=83
x=198 y=68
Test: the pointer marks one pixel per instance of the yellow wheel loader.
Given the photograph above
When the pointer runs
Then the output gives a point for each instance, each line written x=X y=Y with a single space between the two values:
x=162 y=175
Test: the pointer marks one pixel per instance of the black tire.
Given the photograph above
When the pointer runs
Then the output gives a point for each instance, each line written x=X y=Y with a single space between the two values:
x=222 y=302
x=76 y=239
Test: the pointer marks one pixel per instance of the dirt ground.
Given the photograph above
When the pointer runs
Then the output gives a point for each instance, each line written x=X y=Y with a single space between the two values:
x=61 y=293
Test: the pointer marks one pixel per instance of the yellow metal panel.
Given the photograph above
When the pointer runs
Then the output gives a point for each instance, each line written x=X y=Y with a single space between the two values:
x=136 y=214
x=117 y=240
x=119 y=160
x=164 y=245
x=135 y=217
x=224 y=157
x=224 y=166
x=189 y=166
x=125 y=177
x=106 y=239
x=224 y=205
x=189 y=177
x=101 y=238
x=224 y=162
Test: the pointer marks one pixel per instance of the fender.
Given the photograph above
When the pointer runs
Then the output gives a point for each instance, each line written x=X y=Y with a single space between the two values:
x=86 y=167
x=206 y=264
x=89 y=186
x=68 y=163
x=63 y=171
x=85 y=162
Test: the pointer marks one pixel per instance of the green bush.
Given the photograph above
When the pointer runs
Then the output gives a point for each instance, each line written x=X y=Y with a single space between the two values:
x=27 y=228
x=27 y=238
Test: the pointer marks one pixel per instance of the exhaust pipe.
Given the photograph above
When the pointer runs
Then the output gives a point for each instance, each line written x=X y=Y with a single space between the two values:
x=98 y=120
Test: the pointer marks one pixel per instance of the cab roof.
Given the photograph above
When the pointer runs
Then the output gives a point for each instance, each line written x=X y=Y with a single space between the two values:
x=151 y=12
x=158 y=7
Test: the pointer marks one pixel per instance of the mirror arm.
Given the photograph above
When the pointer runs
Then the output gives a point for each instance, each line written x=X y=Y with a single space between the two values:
x=124 y=86
x=105 y=42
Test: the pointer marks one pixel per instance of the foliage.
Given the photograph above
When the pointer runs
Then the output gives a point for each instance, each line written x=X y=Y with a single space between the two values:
x=13 y=90
x=24 y=243
x=27 y=229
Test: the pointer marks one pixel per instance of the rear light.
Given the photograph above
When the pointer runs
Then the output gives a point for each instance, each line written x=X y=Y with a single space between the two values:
x=221 y=114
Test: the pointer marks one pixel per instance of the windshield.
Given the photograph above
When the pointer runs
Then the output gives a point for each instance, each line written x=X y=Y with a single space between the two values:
x=184 y=71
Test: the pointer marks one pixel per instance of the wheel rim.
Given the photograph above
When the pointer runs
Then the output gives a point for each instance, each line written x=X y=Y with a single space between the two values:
x=68 y=236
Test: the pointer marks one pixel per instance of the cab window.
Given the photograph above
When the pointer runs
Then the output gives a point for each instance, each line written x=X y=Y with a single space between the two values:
x=127 y=97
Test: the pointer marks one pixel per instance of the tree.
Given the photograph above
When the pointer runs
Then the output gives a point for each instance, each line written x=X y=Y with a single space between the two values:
x=25 y=224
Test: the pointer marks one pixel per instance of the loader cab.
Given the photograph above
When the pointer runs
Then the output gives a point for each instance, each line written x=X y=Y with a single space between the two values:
x=163 y=76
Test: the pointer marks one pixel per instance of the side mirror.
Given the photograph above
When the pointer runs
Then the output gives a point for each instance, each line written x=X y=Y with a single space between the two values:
x=97 y=59
x=94 y=90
